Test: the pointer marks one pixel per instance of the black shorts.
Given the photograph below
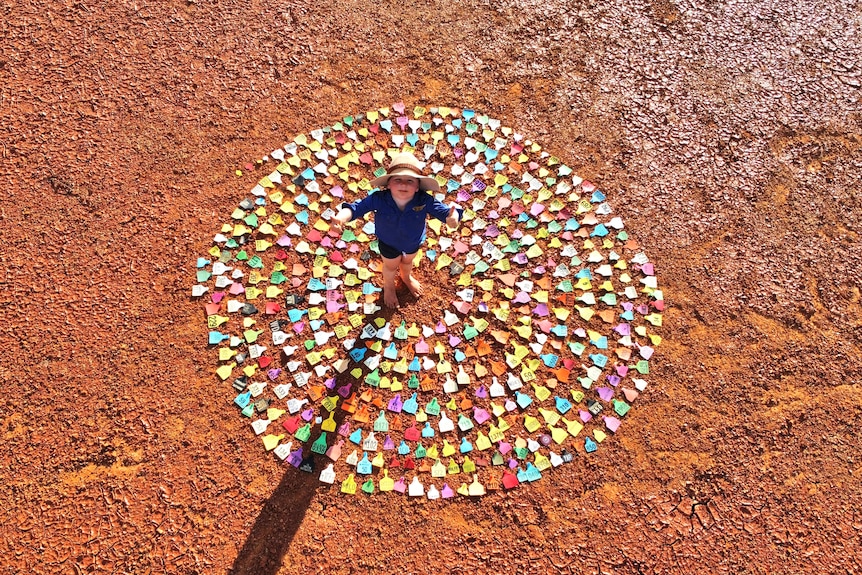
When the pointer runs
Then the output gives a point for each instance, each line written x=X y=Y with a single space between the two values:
x=391 y=253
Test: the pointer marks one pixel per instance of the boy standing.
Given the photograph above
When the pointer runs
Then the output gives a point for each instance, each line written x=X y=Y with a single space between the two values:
x=401 y=207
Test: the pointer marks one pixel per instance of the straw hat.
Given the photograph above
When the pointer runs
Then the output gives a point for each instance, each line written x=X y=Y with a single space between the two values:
x=406 y=164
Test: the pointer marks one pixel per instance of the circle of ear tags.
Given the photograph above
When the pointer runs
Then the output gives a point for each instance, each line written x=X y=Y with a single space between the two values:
x=541 y=346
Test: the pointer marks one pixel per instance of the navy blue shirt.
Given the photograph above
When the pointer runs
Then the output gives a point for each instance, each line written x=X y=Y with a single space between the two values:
x=403 y=230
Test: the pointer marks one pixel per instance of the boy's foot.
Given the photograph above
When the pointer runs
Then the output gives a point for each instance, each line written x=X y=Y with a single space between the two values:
x=390 y=298
x=413 y=285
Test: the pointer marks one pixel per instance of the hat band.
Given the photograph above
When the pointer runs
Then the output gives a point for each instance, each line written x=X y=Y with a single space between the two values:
x=414 y=169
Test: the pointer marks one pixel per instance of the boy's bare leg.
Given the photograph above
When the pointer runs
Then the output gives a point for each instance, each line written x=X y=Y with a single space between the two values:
x=390 y=270
x=406 y=265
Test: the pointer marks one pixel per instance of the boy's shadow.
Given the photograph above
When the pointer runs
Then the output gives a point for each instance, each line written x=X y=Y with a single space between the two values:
x=277 y=524
x=283 y=513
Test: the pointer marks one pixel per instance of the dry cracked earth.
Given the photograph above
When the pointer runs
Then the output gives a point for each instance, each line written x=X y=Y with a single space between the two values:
x=728 y=135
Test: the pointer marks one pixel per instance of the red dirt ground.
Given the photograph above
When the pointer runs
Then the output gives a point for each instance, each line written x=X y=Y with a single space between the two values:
x=727 y=135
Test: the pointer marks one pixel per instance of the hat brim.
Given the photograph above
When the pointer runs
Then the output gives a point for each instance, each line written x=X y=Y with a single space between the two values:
x=426 y=183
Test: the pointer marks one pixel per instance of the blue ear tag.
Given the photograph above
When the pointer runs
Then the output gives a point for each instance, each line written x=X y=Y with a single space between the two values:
x=600 y=231
x=597 y=197
x=403 y=448
x=532 y=473
x=216 y=338
x=590 y=445
x=356 y=436
x=427 y=431
x=391 y=352
x=411 y=405
x=563 y=405
x=460 y=356
x=364 y=466
x=243 y=399
x=294 y=315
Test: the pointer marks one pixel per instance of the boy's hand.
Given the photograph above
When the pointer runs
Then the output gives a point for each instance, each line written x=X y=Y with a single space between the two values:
x=336 y=224
x=452 y=219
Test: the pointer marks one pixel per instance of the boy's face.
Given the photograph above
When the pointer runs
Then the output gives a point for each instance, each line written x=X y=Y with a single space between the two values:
x=403 y=187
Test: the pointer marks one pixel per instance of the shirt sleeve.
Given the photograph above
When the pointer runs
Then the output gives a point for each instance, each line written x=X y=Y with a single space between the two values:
x=440 y=211
x=361 y=207
x=437 y=210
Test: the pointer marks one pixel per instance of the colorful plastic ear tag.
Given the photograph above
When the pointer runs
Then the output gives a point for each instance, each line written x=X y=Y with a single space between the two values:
x=334 y=452
x=348 y=485
x=445 y=425
x=386 y=483
x=328 y=474
x=420 y=452
x=363 y=466
x=433 y=408
x=303 y=433
x=370 y=442
x=271 y=441
x=438 y=469
x=295 y=458
x=510 y=481
x=416 y=489
x=319 y=445
x=381 y=424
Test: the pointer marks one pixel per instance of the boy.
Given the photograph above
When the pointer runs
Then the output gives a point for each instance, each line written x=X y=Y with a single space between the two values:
x=401 y=206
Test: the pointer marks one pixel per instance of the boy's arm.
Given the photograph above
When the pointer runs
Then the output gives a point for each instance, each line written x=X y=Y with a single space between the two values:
x=450 y=214
x=454 y=217
x=351 y=211
x=343 y=216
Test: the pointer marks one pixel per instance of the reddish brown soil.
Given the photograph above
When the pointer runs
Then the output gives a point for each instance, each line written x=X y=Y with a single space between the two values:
x=727 y=136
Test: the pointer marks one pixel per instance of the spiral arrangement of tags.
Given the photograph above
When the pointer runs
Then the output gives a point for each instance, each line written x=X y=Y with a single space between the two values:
x=542 y=343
